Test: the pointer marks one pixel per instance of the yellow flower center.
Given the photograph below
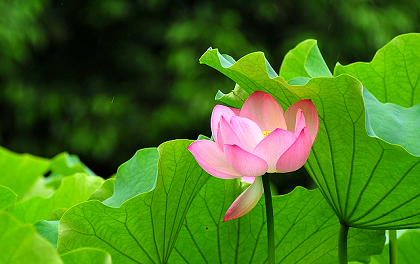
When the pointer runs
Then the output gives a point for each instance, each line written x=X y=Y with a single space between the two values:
x=265 y=133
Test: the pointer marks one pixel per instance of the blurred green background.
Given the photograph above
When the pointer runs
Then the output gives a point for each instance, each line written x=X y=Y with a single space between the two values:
x=104 y=78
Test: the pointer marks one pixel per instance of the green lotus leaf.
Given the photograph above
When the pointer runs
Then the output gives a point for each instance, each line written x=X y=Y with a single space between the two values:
x=392 y=95
x=368 y=183
x=7 y=198
x=408 y=250
x=144 y=228
x=306 y=230
x=86 y=256
x=305 y=60
x=73 y=190
x=136 y=176
x=20 y=171
x=104 y=192
x=393 y=74
x=236 y=98
x=48 y=230
x=21 y=244
x=65 y=164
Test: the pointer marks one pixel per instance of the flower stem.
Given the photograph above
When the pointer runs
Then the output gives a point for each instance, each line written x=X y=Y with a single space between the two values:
x=270 y=219
x=393 y=249
x=342 y=243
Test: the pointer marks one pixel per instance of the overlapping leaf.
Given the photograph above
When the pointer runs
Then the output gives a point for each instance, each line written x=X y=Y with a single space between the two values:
x=65 y=164
x=73 y=190
x=305 y=60
x=306 y=230
x=144 y=229
x=36 y=243
x=20 y=171
x=105 y=191
x=86 y=256
x=392 y=78
x=21 y=244
x=367 y=182
x=393 y=75
x=136 y=176
x=48 y=230
x=236 y=98
x=408 y=249
x=393 y=123
x=7 y=198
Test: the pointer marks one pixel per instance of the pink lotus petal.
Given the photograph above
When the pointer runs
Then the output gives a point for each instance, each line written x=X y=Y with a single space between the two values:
x=252 y=109
x=247 y=131
x=211 y=159
x=300 y=122
x=235 y=110
x=273 y=146
x=244 y=162
x=272 y=114
x=246 y=201
x=310 y=113
x=218 y=112
x=226 y=135
x=295 y=156
x=248 y=179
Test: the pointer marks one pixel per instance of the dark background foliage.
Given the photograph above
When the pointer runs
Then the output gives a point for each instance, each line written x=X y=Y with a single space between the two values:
x=104 y=78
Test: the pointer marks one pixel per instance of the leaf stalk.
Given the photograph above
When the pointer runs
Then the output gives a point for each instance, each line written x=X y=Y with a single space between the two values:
x=393 y=248
x=342 y=243
x=270 y=219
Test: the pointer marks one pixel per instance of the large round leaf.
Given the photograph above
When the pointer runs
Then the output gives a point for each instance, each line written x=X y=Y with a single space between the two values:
x=368 y=183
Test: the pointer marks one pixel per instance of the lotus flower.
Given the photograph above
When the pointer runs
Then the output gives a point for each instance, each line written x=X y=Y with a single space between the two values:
x=256 y=139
